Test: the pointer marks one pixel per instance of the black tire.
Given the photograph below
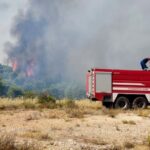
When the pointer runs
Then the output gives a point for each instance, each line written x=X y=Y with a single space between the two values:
x=122 y=103
x=108 y=104
x=139 y=103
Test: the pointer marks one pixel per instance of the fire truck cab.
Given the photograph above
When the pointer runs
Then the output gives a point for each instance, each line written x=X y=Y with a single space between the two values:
x=119 y=88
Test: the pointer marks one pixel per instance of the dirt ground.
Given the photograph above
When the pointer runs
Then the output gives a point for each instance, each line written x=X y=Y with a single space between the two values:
x=56 y=130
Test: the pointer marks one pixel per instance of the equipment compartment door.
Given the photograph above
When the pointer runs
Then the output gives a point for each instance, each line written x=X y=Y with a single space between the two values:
x=103 y=82
x=90 y=84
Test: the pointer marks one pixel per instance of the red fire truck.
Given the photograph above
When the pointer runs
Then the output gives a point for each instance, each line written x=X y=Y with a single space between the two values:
x=119 y=88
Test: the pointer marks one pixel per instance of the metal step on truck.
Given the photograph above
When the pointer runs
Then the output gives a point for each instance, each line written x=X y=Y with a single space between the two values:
x=121 y=89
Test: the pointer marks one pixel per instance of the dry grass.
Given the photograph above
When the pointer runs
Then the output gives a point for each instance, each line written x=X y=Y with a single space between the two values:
x=129 y=145
x=94 y=141
x=148 y=140
x=145 y=145
x=78 y=108
x=66 y=103
x=33 y=116
x=21 y=103
x=131 y=122
x=8 y=103
x=8 y=142
x=141 y=147
x=55 y=114
x=18 y=103
x=112 y=112
x=85 y=103
x=65 y=107
x=75 y=113
x=63 y=122
x=117 y=147
x=142 y=112
x=36 y=134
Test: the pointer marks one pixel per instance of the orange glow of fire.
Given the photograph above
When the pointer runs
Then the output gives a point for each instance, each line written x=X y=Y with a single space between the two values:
x=29 y=71
x=14 y=65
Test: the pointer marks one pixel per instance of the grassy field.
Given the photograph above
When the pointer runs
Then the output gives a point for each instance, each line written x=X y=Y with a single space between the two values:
x=27 y=124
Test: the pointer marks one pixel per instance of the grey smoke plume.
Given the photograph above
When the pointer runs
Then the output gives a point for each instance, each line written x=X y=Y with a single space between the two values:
x=3 y=6
x=64 y=38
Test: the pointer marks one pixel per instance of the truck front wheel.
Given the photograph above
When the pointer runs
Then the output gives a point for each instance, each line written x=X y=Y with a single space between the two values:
x=122 y=102
x=139 y=102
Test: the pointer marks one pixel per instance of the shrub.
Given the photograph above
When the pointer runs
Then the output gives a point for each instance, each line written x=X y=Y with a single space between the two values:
x=14 y=92
x=29 y=94
x=47 y=101
x=70 y=104
x=29 y=105
x=67 y=104
x=46 y=98
x=75 y=113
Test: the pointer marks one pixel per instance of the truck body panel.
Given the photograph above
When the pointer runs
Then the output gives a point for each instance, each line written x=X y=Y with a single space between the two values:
x=109 y=83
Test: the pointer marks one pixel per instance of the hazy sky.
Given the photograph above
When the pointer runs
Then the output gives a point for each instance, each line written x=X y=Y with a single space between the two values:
x=8 y=11
x=74 y=35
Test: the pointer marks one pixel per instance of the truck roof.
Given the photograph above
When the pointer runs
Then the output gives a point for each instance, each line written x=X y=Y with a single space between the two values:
x=121 y=71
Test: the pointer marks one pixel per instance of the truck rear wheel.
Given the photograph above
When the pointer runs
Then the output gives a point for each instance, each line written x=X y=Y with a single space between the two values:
x=122 y=102
x=139 y=102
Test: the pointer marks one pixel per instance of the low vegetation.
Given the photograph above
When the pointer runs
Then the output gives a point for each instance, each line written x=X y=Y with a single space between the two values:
x=114 y=112
x=8 y=142
x=45 y=98
x=53 y=122
x=142 y=113
x=61 y=108
x=148 y=140
x=36 y=134
x=94 y=141
x=129 y=145
x=131 y=122
x=70 y=106
x=66 y=103
x=47 y=102
x=111 y=112
x=15 y=84
x=18 y=103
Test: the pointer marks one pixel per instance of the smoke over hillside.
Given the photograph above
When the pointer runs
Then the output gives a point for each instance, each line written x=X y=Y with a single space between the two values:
x=64 y=38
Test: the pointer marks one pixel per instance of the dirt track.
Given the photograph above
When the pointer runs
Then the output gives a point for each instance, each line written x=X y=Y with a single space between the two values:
x=53 y=129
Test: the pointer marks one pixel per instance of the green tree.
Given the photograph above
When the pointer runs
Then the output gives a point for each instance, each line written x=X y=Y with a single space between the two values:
x=14 y=92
